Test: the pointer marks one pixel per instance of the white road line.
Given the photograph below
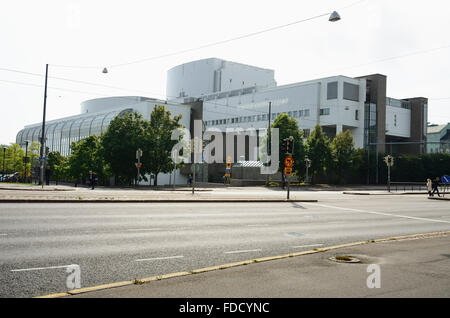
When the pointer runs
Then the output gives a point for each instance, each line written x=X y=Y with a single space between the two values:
x=379 y=213
x=38 y=268
x=243 y=251
x=302 y=246
x=158 y=258
x=137 y=230
x=3 y=234
x=256 y=225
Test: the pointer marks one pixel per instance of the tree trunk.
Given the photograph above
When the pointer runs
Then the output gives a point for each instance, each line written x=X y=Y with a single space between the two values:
x=155 y=183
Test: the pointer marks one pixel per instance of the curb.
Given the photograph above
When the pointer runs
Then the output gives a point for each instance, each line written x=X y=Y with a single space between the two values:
x=151 y=201
x=438 y=198
x=388 y=193
x=236 y=264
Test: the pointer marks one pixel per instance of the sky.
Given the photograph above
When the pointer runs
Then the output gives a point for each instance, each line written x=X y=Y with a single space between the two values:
x=407 y=40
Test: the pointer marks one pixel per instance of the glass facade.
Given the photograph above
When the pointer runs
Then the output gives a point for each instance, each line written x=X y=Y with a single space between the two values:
x=61 y=133
x=370 y=124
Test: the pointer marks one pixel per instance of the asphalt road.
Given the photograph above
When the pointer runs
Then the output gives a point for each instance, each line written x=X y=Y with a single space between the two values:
x=116 y=242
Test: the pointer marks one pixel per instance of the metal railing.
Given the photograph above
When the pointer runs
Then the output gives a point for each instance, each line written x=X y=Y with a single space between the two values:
x=409 y=186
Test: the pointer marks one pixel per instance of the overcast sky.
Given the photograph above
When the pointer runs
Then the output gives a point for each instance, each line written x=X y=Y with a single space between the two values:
x=104 y=33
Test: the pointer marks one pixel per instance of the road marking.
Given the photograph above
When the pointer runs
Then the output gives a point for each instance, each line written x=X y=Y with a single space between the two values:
x=256 y=225
x=158 y=258
x=381 y=213
x=243 y=251
x=137 y=230
x=302 y=246
x=38 y=268
x=3 y=234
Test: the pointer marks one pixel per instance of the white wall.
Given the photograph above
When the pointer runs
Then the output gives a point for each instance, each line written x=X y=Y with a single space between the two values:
x=204 y=77
x=311 y=95
x=403 y=127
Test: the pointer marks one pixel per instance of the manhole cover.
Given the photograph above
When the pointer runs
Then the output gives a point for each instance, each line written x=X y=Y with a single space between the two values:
x=345 y=259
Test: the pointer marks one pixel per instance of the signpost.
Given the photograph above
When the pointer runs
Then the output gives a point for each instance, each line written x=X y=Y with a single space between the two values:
x=288 y=148
x=308 y=165
x=389 y=162
x=446 y=181
x=138 y=164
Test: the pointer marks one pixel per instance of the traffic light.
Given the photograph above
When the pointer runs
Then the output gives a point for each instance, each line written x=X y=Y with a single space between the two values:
x=284 y=146
x=290 y=145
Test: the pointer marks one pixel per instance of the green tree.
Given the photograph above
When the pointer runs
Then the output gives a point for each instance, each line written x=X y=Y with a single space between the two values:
x=14 y=158
x=319 y=152
x=125 y=134
x=342 y=154
x=288 y=126
x=57 y=164
x=158 y=143
x=86 y=155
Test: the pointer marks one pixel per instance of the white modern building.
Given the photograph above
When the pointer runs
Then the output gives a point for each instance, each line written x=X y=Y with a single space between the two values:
x=238 y=95
x=94 y=118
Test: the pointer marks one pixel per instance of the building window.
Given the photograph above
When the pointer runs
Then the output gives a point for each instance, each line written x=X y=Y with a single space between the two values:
x=306 y=133
x=356 y=114
x=300 y=113
x=351 y=92
x=295 y=114
x=332 y=90
x=324 y=111
x=395 y=120
x=307 y=112
x=290 y=114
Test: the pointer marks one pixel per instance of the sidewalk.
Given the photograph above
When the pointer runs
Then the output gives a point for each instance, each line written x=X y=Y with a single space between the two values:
x=412 y=266
x=35 y=194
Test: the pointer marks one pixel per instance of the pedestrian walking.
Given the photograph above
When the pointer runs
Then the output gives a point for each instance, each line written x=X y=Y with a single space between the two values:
x=92 y=179
x=435 y=187
x=429 y=187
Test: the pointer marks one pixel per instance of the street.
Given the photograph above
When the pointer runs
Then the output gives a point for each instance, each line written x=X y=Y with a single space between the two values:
x=113 y=242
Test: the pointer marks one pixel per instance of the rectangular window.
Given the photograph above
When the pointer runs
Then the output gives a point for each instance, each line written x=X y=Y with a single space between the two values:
x=351 y=92
x=300 y=113
x=356 y=114
x=290 y=114
x=306 y=133
x=307 y=113
x=295 y=114
x=324 y=111
x=332 y=90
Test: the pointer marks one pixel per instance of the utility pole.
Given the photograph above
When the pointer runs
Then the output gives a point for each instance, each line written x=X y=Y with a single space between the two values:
x=26 y=160
x=269 y=151
x=42 y=154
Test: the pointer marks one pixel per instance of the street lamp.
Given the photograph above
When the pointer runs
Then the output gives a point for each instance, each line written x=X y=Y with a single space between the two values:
x=334 y=17
x=42 y=138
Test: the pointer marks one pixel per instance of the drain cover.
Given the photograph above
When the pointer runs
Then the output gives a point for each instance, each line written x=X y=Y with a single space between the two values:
x=345 y=259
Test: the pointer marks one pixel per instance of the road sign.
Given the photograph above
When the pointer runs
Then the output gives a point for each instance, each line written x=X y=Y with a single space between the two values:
x=389 y=160
x=138 y=165
x=445 y=179
x=288 y=161
x=288 y=171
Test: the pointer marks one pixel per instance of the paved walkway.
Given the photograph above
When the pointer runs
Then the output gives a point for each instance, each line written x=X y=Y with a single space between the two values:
x=410 y=267
x=33 y=193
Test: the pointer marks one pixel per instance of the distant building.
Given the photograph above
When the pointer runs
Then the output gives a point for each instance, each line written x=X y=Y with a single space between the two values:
x=95 y=116
x=441 y=134
x=238 y=95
